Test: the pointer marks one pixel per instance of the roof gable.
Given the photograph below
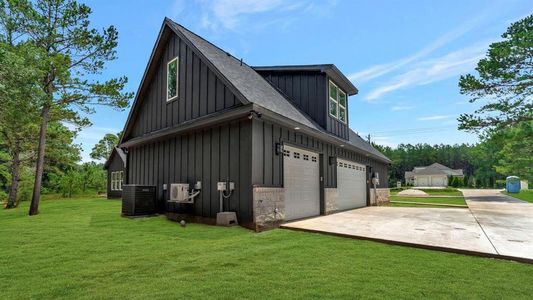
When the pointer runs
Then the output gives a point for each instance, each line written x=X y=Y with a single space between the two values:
x=167 y=29
x=115 y=152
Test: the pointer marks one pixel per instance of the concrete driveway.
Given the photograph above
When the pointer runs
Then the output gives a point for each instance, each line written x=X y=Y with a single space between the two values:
x=506 y=221
x=494 y=225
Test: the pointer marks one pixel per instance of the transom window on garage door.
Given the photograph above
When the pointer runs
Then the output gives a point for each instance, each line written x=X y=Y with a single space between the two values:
x=350 y=166
x=298 y=155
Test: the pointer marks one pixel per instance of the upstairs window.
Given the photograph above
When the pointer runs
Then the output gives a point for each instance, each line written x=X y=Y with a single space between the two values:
x=337 y=102
x=172 y=79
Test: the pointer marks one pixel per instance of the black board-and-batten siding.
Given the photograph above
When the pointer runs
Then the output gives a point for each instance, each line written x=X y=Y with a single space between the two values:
x=242 y=151
x=308 y=90
x=200 y=92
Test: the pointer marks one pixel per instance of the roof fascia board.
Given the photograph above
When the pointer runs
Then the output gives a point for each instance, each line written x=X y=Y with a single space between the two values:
x=140 y=89
x=195 y=124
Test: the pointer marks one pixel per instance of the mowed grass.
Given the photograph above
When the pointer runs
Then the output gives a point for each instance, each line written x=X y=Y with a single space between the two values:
x=437 y=200
x=83 y=249
x=526 y=195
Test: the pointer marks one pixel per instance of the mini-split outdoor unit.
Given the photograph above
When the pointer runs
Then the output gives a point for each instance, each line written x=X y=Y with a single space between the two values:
x=179 y=192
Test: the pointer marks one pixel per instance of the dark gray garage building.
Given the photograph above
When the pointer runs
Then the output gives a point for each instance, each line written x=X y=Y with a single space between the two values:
x=279 y=133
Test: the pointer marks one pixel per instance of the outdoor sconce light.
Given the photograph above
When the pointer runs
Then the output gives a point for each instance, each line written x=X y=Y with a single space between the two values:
x=279 y=149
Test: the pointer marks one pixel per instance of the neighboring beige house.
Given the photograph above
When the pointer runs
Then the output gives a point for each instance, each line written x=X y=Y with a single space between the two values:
x=435 y=175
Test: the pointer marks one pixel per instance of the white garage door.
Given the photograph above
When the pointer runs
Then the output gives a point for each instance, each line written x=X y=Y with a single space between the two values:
x=301 y=182
x=422 y=181
x=439 y=181
x=351 y=185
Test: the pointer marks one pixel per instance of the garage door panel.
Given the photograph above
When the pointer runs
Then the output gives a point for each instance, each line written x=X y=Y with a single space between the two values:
x=351 y=185
x=422 y=181
x=301 y=174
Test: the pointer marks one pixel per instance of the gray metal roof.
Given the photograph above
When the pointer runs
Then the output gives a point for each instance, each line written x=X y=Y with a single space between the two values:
x=121 y=154
x=437 y=169
x=252 y=85
x=360 y=143
x=259 y=91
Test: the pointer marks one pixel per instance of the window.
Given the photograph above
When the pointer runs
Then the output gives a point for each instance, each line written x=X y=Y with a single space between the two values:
x=116 y=180
x=172 y=79
x=337 y=102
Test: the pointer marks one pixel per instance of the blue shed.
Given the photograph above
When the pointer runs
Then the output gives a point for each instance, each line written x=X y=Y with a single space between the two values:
x=512 y=184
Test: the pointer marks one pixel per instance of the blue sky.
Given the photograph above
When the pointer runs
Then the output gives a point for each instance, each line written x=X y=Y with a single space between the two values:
x=405 y=57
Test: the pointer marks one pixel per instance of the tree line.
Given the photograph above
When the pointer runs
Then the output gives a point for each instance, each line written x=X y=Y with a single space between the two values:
x=51 y=63
x=476 y=161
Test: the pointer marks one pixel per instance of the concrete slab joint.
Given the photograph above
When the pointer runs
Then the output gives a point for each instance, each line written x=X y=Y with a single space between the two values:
x=269 y=207
x=382 y=197
x=330 y=197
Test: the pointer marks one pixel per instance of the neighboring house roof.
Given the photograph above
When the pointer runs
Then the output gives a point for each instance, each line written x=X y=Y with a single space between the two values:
x=116 y=151
x=329 y=69
x=435 y=169
x=251 y=87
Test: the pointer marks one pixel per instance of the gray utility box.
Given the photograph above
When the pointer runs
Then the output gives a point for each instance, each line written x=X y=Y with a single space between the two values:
x=138 y=200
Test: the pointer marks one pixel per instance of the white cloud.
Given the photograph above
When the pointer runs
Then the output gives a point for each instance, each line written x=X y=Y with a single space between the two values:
x=435 y=118
x=383 y=69
x=431 y=70
x=228 y=13
x=234 y=14
x=402 y=107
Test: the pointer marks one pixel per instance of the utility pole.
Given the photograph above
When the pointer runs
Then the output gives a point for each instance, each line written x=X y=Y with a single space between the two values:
x=368 y=138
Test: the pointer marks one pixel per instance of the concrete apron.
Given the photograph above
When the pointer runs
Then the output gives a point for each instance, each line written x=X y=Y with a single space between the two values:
x=506 y=221
x=446 y=229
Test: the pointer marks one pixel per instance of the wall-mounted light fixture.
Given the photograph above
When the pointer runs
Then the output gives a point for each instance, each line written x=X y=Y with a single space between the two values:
x=279 y=149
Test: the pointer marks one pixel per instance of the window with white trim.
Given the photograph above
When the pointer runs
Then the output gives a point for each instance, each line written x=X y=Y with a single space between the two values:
x=172 y=79
x=337 y=102
x=116 y=180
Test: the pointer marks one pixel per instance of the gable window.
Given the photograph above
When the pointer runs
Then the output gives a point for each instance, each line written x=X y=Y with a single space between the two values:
x=172 y=79
x=116 y=180
x=337 y=102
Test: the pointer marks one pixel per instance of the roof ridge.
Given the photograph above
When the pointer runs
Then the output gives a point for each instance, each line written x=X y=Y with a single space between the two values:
x=207 y=41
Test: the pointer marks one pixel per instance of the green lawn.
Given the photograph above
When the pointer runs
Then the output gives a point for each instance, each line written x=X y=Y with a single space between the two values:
x=443 y=200
x=83 y=249
x=526 y=195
